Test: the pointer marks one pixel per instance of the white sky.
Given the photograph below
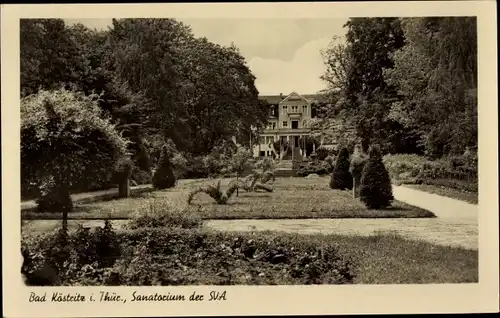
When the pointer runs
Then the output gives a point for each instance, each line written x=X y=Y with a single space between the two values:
x=284 y=54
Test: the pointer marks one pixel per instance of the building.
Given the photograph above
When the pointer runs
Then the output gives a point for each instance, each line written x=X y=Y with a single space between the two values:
x=287 y=123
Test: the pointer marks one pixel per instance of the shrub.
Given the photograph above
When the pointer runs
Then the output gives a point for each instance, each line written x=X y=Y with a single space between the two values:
x=165 y=214
x=164 y=177
x=61 y=258
x=66 y=139
x=322 y=153
x=358 y=162
x=140 y=177
x=153 y=256
x=317 y=167
x=215 y=192
x=341 y=177
x=330 y=159
x=53 y=197
x=376 y=188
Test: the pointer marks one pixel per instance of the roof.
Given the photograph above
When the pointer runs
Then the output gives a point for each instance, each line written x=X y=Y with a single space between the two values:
x=276 y=99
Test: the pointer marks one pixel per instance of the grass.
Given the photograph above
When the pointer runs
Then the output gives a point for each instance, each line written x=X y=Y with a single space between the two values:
x=293 y=198
x=470 y=197
x=386 y=258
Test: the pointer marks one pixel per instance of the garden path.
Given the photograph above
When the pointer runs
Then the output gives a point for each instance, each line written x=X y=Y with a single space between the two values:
x=456 y=223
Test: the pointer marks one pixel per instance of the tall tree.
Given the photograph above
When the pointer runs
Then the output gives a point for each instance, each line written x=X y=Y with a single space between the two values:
x=370 y=45
x=436 y=75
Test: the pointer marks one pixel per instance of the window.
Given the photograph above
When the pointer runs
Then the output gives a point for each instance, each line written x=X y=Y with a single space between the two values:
x=285 y=109
x=295 y=109
x=304 y=109
x=274 y=125
x=269 y=140
x=262 y=140
x=272 y=111
x=285 y=124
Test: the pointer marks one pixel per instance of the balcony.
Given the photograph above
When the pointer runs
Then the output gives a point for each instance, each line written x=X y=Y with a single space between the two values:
x=294 y=115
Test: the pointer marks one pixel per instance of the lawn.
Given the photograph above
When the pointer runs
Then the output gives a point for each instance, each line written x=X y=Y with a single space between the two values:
x=467 y=196
x=292 y=198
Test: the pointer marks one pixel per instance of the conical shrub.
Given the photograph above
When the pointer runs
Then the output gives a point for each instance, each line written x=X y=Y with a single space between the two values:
x=164 y=176
x=341 y=177
x=376 y=188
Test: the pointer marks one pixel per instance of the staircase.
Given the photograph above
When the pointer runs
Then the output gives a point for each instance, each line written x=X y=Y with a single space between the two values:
x=284 y=169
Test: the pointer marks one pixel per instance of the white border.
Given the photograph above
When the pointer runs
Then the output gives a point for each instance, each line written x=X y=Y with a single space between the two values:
x=280 y=300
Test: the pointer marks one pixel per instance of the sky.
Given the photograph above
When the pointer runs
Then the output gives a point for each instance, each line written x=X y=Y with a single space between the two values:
x=283 y=54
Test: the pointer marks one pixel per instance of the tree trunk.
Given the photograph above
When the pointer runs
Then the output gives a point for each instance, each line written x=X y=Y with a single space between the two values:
x=124 y=188
x=237 y=189
x=354 y=188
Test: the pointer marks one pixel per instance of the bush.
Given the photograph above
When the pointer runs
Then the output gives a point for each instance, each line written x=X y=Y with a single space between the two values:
x=164 y=177
x=123 y=170
x=376 y=187
x=414 y=168
x=154 y=256
x=322 y=153
x=53 y=197
x=330 y=159
x=140 y=177
x=165 y=214
x=358 y=162
x=66 y=138
x=317 y=167
x=77 y=258
x=341 y=177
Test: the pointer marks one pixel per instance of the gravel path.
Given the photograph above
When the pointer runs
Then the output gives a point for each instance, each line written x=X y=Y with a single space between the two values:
x=456 y=223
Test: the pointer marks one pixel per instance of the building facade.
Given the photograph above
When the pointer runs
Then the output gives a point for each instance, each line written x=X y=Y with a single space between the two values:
x=287 y=123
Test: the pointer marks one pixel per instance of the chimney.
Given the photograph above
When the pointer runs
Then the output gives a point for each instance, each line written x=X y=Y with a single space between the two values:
x=281 y=95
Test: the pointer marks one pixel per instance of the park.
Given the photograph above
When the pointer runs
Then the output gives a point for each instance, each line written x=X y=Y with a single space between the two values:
x=153 y=159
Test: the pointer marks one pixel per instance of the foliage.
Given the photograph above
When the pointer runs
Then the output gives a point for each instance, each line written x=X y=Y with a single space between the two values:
x=459 y=172
x=376 y=187
x=317 y=167
x=164 y=177
x=140 y=177
x=164 y=214
x=310 y=143
x=436 y=75
x=336 y=59
x=215 y=192
x=358 y=162
x=239 y=161
x=66 y=139
x=74 y=258
x=209 y=89
x=341 y=177
x=148 y=257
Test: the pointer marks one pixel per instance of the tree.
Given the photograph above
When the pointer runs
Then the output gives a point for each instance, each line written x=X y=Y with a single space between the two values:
x=376 y=187
x=199 y=92
x=341 y=177
x=65 y=140
x=50 y=59
x=336 y=59
x=368 y=97
x=435 y=74
x=164 y=176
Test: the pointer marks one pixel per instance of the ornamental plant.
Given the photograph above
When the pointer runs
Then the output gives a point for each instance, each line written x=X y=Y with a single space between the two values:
x=376 y=188
x=341 y=177
x=65 y=141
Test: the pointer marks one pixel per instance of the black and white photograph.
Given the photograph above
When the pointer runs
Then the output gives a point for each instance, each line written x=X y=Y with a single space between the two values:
x=246 y=151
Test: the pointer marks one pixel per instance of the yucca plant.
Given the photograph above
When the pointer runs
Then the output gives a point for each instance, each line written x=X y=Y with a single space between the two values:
x=220 y=196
